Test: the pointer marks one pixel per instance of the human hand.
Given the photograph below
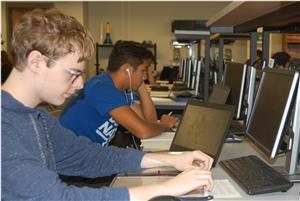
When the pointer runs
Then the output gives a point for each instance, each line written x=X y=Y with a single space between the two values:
x=186 y=160
x=142 y=88
x=169 y=120
x=191 y=179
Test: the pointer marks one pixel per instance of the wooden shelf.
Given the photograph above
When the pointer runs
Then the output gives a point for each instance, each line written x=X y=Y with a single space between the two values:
x=239 y=12
x=291 y=45
x=247 y=16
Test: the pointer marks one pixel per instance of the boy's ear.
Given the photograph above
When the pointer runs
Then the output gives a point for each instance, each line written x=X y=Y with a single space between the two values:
x=126 y=66
x=34 y=60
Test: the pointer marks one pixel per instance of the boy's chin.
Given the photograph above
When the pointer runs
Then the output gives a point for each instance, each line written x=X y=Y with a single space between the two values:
x=58 y=102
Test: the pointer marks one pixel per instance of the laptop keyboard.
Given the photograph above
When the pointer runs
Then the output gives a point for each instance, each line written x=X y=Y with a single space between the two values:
x=254 y=176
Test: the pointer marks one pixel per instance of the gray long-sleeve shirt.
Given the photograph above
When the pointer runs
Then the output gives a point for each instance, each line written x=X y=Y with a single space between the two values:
x=36 y=148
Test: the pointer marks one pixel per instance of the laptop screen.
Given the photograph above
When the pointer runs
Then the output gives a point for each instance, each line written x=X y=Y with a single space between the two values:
x=203 y=127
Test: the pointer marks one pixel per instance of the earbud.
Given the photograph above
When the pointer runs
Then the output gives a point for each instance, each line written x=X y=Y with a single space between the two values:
x=128 y=71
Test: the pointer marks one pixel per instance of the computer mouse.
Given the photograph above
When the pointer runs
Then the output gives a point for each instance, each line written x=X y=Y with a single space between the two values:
x=165 y=198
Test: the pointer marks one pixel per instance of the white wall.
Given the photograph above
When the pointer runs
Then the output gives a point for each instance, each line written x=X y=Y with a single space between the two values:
x=75 y=9
x=145 y=21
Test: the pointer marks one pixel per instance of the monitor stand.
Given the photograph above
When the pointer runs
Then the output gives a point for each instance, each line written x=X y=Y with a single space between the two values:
x=291 y=169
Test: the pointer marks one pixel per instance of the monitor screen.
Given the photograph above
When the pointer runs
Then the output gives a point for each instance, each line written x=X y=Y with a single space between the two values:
x=234 y=78
x=203 y=127
x=271 y=110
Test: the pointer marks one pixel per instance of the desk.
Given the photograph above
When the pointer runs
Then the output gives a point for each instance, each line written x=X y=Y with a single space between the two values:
x=233 y=150
x=168 y=104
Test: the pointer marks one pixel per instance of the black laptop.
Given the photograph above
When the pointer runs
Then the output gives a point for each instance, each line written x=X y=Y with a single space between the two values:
x=203 y=127
x=219 y=94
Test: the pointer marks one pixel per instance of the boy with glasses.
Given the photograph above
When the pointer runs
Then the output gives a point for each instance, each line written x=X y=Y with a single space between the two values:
x=50 y=50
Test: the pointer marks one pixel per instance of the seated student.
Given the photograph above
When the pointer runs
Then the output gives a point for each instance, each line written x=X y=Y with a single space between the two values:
x=103 y=103
x=282 y=60
x=50 y=50
x=258 y=61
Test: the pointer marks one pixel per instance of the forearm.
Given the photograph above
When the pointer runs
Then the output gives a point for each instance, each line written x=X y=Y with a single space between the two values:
x=151 y=160
x=148 y=129
x=179 y=160
x=147 y=105
x=80 y=150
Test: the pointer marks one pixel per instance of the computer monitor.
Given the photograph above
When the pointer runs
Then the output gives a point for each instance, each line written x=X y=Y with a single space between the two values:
x=194 y=73
x=198 y=76
x=189 y=73
x=271 y=111
x=184 y=69
x=235 y=77
x=181 y=67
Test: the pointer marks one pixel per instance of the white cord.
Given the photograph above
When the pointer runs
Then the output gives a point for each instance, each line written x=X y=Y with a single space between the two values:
x=134 y=142
x=130 y=85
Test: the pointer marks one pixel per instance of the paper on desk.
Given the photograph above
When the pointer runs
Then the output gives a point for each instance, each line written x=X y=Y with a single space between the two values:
x=224 y=189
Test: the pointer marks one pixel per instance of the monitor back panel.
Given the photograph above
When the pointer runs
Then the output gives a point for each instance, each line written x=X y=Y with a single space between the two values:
x=203 y=127
x=233 y=78
x=219 y=94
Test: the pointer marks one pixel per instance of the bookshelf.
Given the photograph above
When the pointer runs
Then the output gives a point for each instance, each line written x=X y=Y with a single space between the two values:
x=291 y=44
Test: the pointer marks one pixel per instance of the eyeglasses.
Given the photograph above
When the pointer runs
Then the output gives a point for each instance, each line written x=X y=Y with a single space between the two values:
x=74 y=73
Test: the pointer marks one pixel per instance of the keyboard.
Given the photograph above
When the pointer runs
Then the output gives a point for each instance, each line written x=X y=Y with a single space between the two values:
x=182 y=94
x=254 y=176
x=159 y=88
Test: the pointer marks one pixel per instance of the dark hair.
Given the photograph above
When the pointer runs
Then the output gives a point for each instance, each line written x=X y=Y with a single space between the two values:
x=281 y=58
x=259 y=53
x=130 y=52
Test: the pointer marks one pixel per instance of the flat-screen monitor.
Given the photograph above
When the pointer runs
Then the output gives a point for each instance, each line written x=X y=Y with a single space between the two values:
x=181 y=67
x=271 y=110
x=203 y=127
x=190 y=73
x=235 y=77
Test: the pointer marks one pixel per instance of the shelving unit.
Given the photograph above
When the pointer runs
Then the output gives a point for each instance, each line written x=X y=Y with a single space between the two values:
x=99 y=47
x=291 y=45
x=247 y=16
x=222 y=39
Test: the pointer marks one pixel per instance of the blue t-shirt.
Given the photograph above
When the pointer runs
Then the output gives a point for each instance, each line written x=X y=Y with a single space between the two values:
x=88 y=113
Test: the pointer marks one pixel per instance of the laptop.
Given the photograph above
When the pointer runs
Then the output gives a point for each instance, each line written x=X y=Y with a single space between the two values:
x=203 y=127
x=219 y=94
